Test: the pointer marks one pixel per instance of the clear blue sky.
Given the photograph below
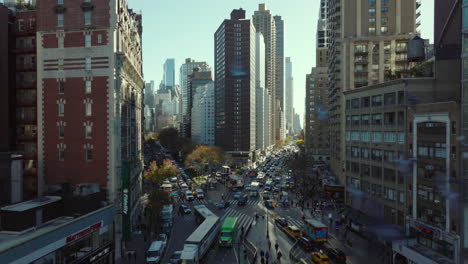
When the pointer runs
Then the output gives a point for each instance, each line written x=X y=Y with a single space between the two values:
x=184 y=28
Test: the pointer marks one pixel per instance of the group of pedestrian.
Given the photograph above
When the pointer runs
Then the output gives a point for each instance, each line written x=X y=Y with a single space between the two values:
x=265 y=256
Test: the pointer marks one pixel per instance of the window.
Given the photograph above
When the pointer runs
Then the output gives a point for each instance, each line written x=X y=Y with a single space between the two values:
x=87 y=41
x=61 y=87
x=401 y=97
x=99 y=38
x=384 y=2
x=87 y=17
x=88 y=108
x=348 y=135
x=389 y=118
x=88 y=131
x=401 y=118
x=377 y=100
x=377 y=119
x=389 y=156
x=372 y=30
x=61 y=154
x=376 y=172
x=384 y=10
x=60 y=2
x=376 y=155
x=384 y=29
x=389 y=99
x=364 y=153
x=61 y=131
x=371 y=2
x=20 y=25
x=88 y=63
x=355 y=152
x=365 y=120
x=372 y=20
x=61 y=109
x=376 y=137
x=355 y=103
x=365 y=136
x=355 y=135
x=371 y=11
x=59 y=20
x=89 y=154
x=389 y=137
x=384 y=21
x=87 y=86
x=365 y=102
x=401 y=138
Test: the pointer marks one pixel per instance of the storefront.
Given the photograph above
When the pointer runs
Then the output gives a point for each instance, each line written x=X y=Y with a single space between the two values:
x=85 y=239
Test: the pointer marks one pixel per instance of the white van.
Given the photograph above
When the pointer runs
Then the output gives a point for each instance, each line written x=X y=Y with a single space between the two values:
x=155 y=252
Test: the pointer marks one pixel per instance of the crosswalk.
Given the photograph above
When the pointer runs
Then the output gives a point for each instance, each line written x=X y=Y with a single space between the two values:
x=232 y=202
x=296 y=222
x=243 y=219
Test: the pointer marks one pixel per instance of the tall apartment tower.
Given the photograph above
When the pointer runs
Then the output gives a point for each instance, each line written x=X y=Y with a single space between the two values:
x=202 y=128
x=196 y=79
x=90 y=100
x=279 y=72
x=367 y=46
x=265 y=24
x=169 y=75
x=185 y=70
x=288 y=96
x=234 y=43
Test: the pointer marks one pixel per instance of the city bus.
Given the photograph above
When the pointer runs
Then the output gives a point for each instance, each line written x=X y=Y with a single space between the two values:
x=202 y=213
x=228 y=232
x=199 y=242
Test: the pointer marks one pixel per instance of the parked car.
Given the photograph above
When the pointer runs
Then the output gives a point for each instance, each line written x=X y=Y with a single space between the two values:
x=336 y=255
x=184 y=209
x=175 y=258
x=320 y=258
x=281 y=221
x=222 y=204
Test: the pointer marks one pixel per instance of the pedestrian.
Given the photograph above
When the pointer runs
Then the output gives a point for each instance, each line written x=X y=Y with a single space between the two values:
x=269 y=244
x=262 y=253
x=278 y=256
x=134 y=255
x=276 y=246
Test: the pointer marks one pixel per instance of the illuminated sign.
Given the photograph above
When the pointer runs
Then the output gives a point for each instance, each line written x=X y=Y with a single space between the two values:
x=428 y=230
x=84 y=232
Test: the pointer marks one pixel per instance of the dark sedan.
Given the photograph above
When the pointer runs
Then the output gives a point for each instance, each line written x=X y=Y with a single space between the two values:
x=281 y=221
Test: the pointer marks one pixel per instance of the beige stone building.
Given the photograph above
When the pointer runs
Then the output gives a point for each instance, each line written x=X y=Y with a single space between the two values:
x=367 y=46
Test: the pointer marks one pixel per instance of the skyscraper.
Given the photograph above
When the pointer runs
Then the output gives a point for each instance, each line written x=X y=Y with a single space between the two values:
x=169 y=75
x=234 y=43
x=367 y=46
x=261 y=120
x=202 y=117
x=279 y=72
x=265 y=24
x=288 y=102
x=185 y=70
x=195 y=80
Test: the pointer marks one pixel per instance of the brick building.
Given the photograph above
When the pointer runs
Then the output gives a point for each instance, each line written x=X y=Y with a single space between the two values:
x=90 y=92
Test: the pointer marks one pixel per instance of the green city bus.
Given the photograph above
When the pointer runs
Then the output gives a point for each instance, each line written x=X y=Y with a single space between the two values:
x=228 y=232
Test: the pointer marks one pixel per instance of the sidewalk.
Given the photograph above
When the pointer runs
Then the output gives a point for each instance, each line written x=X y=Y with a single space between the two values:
x=135 y=244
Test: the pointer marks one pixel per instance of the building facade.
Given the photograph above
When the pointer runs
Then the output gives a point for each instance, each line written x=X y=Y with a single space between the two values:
x=265 y=24
x=234 y=43
x=279 y=73
x=185 y=70
x=288 y=97
x=261 y=95
x=196 y=79
x=90 y=100
x=203 y=122
x=367 y=46
x=169 y=74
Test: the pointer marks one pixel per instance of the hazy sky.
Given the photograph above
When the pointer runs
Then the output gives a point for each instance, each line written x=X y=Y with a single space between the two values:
x=185 y=28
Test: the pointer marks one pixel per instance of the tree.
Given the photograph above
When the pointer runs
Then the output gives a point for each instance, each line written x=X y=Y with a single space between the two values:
x=204 y=158
x=300 y=143
x=279 y=144
x=157 y=173
x=169 y=138
x=153 y=204
x=151 y=136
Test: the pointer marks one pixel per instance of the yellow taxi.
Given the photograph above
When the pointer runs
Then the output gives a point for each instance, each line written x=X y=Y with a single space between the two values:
x=320 y=258
x=293 y=231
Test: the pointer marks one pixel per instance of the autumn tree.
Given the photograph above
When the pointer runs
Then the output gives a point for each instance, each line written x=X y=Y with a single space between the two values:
x=300 y=143
x=157 y=174
x=204 y=157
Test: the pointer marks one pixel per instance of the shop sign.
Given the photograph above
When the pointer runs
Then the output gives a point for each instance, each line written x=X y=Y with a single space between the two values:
x=428 y=230
x=84 y=232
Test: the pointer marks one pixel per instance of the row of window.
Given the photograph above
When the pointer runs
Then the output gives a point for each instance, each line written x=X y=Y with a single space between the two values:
x=87 y=152
x=61 y=108
x=61 y=87
x=376 y=137
x=88 y=131
x=387 y=99
x=382 y=2
x=389 y=118
x=379 y=190
x=383 y=10
x=87 y=19
x=372 y=154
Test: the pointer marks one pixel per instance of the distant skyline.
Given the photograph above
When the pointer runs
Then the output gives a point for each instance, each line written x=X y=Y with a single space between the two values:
x=185 y=29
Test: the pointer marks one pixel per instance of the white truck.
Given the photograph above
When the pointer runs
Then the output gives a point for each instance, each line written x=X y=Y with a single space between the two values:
x=198 y=243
